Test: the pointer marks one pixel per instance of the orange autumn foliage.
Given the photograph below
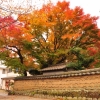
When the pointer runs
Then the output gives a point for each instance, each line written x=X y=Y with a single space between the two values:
x=46 y=35
x=57 y=28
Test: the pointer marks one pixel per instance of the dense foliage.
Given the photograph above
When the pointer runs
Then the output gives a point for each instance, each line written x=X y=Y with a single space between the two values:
x=51 y=35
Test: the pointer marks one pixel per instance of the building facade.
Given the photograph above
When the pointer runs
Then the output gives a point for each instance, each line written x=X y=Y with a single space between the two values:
x=4 y=74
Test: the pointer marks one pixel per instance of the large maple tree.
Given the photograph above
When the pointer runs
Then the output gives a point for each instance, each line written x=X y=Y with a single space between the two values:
x=51 y=35
x=58 y=30
x=13 y=37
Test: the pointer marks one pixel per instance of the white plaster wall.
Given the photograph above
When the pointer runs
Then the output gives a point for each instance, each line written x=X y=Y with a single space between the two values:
x=7 y=74
x=2 y=75
x=12 y=74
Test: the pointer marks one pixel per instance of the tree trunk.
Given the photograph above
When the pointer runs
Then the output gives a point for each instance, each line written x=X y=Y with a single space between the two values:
x=25 y=73
x=21 y=60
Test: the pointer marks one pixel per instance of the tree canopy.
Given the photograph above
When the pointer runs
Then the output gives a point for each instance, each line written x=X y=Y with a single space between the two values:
x=51 y=35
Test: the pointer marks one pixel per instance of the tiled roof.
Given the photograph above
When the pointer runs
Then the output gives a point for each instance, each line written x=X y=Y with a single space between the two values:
x=94 y=71
x=55 y=67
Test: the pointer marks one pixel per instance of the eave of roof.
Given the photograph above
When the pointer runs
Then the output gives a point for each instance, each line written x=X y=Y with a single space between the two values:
x=8 y=78
x=55 y=67
x=3 y=67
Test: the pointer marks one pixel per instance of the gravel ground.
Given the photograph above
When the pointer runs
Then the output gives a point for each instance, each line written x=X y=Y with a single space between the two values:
x=4 y=96
x=15 y=97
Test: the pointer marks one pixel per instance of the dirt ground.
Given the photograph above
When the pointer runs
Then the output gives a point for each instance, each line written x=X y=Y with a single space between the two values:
x=4 y=96
x=15 y=97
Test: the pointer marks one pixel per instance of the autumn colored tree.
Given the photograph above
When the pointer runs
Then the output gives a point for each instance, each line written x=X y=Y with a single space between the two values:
x=13 y=37
x=48 y=36
x=57 y=29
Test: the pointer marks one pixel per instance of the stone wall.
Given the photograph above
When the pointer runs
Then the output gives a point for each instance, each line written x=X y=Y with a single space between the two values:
x=85 y=83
